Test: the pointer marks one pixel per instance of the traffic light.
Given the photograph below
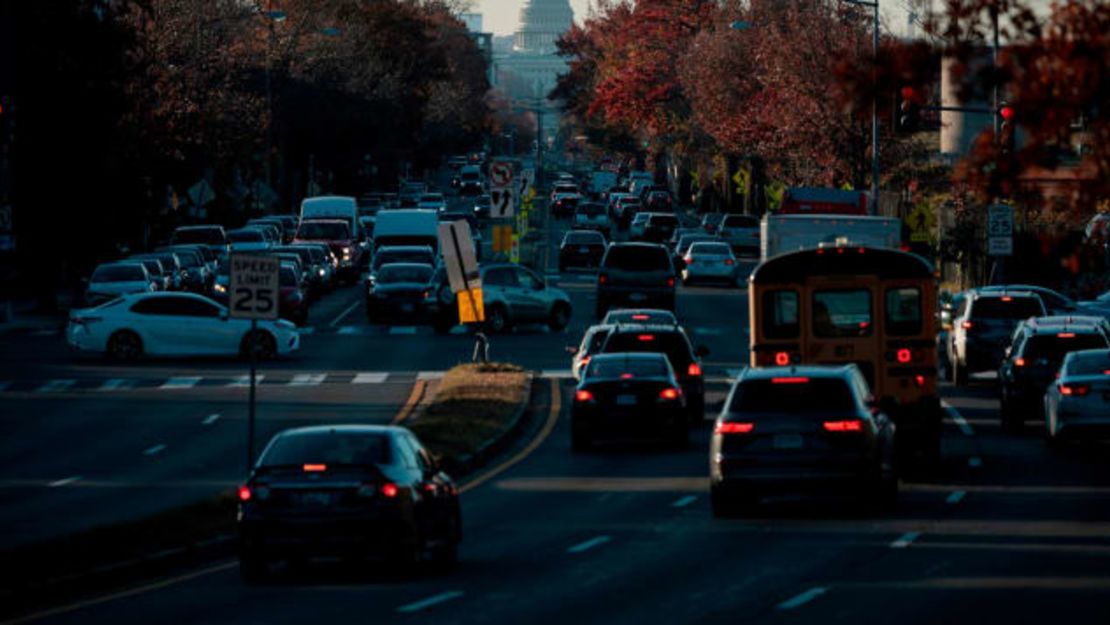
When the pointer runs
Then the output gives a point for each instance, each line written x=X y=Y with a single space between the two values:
x=909 y=110
x=1006 y=129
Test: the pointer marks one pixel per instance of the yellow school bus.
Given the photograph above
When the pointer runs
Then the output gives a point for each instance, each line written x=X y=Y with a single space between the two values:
x=867 y=306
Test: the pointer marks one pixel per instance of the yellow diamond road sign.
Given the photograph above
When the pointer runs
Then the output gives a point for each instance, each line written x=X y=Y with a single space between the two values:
x=921 y=223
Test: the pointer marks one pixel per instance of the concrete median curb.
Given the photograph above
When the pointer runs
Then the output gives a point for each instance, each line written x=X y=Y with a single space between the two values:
x=469 y=463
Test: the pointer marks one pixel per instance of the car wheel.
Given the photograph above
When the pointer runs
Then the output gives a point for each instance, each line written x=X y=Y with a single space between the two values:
x=265 y=347
x=959 y=373
x=496 y=320
x=253 y=568
x=560 y=317
x=125 y=345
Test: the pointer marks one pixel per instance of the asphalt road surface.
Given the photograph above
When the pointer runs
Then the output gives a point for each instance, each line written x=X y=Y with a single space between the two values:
x=1005 y=532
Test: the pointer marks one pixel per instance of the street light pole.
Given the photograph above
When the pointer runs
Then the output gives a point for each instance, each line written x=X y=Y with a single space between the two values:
x=272 y=17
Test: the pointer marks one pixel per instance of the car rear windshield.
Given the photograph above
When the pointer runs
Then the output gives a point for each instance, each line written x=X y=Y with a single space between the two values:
x=207 y=236
x=593 y=210
x=663 y=221
x=339 y=448
x=1090 y=364
x=740 y=221
x=394 y=274
x=566 y=188
x=711 y=249
x=638 y=316
x=245 y=236
x=118 y=273
x=585 y=238
x=617 y=367
x=793 y=395
x=332 y=231
x=673 y=344
x=1053 y=347
x=637 y=258
x=189 y=258
x=1006 y=308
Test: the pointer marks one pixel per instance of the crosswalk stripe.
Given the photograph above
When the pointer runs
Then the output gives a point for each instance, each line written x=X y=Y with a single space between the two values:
x=245 y=380
x=458 y=330
x=402 y=330
x=180 y=382
x=308 y=379
x=558 y=374
x=55 y=386
x=429 y=375
x=116 y=384
x=369 y=378
x=348 y=330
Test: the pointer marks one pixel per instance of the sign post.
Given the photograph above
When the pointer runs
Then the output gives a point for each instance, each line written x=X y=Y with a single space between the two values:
x=253 y=285
x=464 y=278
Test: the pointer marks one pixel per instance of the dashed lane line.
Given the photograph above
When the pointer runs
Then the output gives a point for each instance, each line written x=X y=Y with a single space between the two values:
x=430 y=375
x=56 y=386
x=424 y=604
x=348 y=330
x=180 y=383
x=308 y=379
x=210 y=419
x=684 y=501
x=958 y=418
x=245 y=380
x=905 y=540
x=589 y=544
x=116 y=384
x=367 y=377
x=402 y=330
x=801 y=599
x=155 y=450
x=64 y=481
x=955 y=497
x=557 y=374
x=346 y=311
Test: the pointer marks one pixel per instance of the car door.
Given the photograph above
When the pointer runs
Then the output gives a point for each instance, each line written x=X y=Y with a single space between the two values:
x=499 y=285
x=211 y=332
x=164 y=325
x=531 y=292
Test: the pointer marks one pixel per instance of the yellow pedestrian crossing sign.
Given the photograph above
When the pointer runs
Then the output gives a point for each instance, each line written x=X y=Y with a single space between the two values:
x=922 y=224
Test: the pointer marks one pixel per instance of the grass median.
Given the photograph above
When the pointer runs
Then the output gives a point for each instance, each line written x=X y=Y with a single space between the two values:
x=473 y=405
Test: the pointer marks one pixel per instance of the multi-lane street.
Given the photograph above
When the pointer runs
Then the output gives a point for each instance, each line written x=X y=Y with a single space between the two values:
x=1005 y=530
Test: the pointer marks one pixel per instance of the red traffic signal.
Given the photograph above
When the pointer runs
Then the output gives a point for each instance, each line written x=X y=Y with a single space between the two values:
x=908 y=93
x=1007 y=112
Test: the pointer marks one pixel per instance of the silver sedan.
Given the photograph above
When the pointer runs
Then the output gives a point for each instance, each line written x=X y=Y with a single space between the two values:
x=1078 y=403
x=709 y=261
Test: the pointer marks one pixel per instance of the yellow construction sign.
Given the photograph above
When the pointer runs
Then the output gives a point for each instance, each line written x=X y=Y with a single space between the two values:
x=468 y=309
x=502 y=238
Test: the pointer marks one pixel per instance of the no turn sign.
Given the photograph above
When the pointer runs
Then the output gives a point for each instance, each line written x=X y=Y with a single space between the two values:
x=500 y=174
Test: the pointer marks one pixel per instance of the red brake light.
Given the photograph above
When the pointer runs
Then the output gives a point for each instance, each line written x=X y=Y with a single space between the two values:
x=852 y=425
x=626 y=376
x=919 y=380
x=1019 y=362
x=967 y=325
x=315 y=467
x=669 y=394
x=782 y=358
x=601 y=278
x=693 y=370
x=734 y=428
x=904 y=355
x=244 y=493
x=729 y=261
x=792 y=380
x=390 y=490
x=646 y=338
x=1077 y=390
x=670 y=281
x=583 y=396
x=640 y=317
x=1007 y=298
x=1066 y=335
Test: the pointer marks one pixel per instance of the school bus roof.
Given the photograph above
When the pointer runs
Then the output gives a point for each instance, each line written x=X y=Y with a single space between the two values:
x=848 y=260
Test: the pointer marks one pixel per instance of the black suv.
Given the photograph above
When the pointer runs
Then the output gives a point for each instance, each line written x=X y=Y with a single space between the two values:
x=1035 y=355
x=636 y=275
x=672 y=341
x=660 y=227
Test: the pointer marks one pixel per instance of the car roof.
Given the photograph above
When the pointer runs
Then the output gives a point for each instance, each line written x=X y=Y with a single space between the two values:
x=657 y=328
x=629 y=356
x=200 y=227
x=408 y=266
x=344 y=429
x=979 y=294
x=405 y=248
x=1081 y=323
x=809 y=371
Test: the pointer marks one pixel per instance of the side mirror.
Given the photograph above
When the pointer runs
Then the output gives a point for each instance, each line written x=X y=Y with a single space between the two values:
x=701 y=351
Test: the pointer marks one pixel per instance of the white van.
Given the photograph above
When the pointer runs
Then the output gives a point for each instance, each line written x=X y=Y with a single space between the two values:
x=407 y=226
x=332 y=207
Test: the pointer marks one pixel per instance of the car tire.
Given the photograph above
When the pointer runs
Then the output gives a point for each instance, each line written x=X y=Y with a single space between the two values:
x=959 y=373
x=253 y=568
x=559 y=317
x=496 y=319
x=124 y=345
x=265 y=348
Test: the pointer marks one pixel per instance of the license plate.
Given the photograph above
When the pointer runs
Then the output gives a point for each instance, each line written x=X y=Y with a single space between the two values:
x=788 y=441
x=314 y=499
x=583 y=250
x=637 y=297
x=626 y=400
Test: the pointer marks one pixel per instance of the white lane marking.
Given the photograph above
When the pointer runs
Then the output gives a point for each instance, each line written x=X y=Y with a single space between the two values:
x=442 y=597
x=975 y=462
x=801 y=599
x=684 y=501
x=402 y=330
x=955 y=497
x=589 y=544
x=369 y=378
x=558 y=374
x=55 y=386
x=734 y=373
x=348 y=330
x=308 y=379
x=459 y=330
x=429 y=375
x=709 y=331
x=180 y=382
x=905 y=540
x=64 y=481
x=245 y=380
x=346 y=311
x=115 y=384
x=154 y=451
x=210 y=419
x=961 y=422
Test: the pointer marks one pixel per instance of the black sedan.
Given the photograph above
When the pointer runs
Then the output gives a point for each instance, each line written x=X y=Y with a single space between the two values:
x=400 y=291
x=349 y=491
x=581 y=248
x=806 y=429
x=628 y=396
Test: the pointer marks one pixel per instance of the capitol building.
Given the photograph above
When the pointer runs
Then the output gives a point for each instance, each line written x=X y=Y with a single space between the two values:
x=529 y=69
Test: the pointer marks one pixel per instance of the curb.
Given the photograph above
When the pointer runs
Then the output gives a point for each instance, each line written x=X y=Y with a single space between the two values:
x=468 y=464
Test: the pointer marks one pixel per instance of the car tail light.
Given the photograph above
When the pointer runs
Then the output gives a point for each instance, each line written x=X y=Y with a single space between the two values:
x=734 y=427
x=1019 y=362
x=315 y=468
x=790 y=380
x=583 y=396
x=602 y=278
x=390 y=490
x=904 y=355
x=669 y=394
x=1076 y=390
x=645 y=338
x=919 y=380
x=967 y=325
x=782 y=358
x=851 y=425
x=730 y=262
x=670 y=281
x=627 y=376
x=1007 y=298
x=689 y=260
x=585 y=360
x=1066 y=335
x=244 y=493
x=640 y=317
x=694 y=370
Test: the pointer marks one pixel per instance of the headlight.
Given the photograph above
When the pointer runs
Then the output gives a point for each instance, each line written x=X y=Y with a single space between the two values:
x=219 y=288
x=320 y=272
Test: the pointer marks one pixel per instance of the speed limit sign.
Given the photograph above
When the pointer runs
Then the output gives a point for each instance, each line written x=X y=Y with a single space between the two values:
x=253 y=286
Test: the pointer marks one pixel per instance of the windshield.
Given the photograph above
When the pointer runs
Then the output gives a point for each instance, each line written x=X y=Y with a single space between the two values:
x=793 y=395
x=1012 y=308
x=1093 y=363
x=585 y=238
x=118 y=273
x=637 y=258
x=324 y=230
x=710 y=249
x=340 y=448
x=404 y=273
x=189 y=259
x=1053 y=347
x=615 y=367
x=673 y=344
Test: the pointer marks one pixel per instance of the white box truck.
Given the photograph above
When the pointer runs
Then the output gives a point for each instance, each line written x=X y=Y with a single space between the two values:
x=789 y=233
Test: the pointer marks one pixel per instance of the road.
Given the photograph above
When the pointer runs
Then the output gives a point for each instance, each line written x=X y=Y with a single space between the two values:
x=1006 y=531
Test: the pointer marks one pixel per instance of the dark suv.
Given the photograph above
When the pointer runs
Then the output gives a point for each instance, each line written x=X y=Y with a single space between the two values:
x=636 y=275
x=1035 y=355
x=672 y=341
x=982 y=327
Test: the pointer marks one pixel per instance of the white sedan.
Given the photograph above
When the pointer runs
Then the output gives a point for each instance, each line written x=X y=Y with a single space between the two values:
x=173 y=324
x=1078 y=402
